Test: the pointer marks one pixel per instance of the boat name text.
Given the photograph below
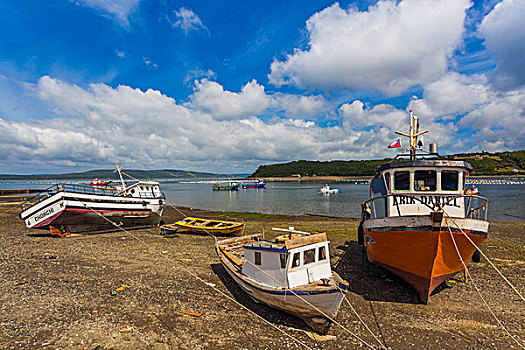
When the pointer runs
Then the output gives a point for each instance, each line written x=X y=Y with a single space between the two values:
x=448 y=200
x=44 y=214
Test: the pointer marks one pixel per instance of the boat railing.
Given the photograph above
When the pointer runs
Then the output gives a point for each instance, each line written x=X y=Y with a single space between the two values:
x=62 y=187
x=476 y=207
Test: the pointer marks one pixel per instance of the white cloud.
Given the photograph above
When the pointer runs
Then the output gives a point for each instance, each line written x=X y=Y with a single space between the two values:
x=300 y=106
x=496 y=119
x=188 y=21
x=211 y=97
x=119 y=9
x=146 y=129
x=149 y=64
x=252 y=100
x=391 y=47
x=452 y=95
x=504 y=32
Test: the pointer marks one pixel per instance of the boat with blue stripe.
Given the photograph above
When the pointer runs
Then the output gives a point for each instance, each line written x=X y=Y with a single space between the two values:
x=293 y=275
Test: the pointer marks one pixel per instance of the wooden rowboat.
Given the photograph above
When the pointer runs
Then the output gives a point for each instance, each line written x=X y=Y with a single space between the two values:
x=294 y=276
x=202 y=225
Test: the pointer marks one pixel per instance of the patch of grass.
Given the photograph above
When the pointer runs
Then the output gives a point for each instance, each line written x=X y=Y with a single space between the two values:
x=247 y=215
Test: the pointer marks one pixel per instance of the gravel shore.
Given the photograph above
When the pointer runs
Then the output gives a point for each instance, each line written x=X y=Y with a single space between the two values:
x=133 y=291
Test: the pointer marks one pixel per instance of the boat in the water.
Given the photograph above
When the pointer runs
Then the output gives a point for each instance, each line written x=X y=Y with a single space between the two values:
x=79 y=208
x=97 y=182
x=327 y=190
x=254 y=184
x=227 y=186
x=293 y=275
x=472 y=191
x=418 y=223
x=204 y=225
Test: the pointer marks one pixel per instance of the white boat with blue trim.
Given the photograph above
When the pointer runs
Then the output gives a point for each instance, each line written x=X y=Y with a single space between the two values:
x=293 y=275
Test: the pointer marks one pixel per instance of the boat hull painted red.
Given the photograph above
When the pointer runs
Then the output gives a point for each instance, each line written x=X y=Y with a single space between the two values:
x=76 y=220
x=423 y=256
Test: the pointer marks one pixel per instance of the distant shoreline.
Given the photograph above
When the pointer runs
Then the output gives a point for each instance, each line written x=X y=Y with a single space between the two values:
x=351 y=178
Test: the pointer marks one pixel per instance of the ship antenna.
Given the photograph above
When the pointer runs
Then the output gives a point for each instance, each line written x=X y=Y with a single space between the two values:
x=120 y=174
x=413 y=135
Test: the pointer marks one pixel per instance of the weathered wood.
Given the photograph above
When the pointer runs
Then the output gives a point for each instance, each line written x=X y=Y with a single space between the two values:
x=299 y=242
x=230 y=256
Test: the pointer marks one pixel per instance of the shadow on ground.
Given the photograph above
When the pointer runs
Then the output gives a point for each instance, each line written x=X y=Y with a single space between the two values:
x=371 y=281
x=269 y=313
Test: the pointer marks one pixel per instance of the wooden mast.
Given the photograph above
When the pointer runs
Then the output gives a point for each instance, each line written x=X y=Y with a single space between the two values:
x=413 y=135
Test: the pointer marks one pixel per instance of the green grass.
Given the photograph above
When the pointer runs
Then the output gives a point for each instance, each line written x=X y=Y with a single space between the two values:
x=247 y=215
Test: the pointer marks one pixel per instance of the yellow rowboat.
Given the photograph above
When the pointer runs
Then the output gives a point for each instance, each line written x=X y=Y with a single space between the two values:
x=215 y=227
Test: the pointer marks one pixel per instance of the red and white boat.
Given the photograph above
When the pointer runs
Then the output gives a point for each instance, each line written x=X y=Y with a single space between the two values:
x=97 y=182
x=77 y=208
x=418 y=223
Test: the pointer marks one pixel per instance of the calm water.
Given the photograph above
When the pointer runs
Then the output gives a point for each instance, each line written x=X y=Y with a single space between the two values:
x=506 y=202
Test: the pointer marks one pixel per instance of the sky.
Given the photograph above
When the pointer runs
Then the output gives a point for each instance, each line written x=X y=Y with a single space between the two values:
x=225 y=86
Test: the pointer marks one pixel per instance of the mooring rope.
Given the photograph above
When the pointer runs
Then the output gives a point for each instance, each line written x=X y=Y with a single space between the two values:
x=300 y=297
x=479 y=293
x=485 y=256
x=362 y=321
x=196 y=276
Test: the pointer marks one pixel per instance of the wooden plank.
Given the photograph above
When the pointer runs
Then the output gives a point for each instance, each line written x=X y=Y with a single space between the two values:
x=299 y=242
x=230 y=256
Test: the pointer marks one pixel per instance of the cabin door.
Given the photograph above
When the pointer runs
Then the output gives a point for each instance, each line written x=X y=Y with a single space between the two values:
x=310 y=275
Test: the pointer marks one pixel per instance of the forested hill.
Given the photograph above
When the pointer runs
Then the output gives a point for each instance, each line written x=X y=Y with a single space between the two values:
x=503 y=163
x=111 y=175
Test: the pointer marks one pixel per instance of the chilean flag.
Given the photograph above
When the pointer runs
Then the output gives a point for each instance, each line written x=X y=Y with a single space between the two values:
x=395 y=144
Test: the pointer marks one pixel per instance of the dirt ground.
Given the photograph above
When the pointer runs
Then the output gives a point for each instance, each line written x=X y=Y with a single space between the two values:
x=61 y=293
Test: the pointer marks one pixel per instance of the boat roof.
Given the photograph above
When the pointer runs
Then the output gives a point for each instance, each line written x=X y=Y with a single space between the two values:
x=288 y=244
x=426 y=163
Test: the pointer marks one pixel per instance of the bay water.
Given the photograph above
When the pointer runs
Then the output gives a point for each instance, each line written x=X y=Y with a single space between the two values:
x=506 y=202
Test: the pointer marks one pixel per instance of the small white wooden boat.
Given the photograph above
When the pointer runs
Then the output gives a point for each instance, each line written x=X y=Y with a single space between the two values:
x=294 y=276
x=327 y=190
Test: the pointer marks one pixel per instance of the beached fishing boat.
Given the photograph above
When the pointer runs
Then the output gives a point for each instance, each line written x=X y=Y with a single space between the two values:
x=293 y=275
x=228 y=186
x=75 y=208
x=418 y=223
x=215 y=227
x=327 y=190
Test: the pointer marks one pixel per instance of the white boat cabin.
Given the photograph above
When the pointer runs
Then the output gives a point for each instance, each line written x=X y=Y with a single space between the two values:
x=141 y=189
x=416 y=188
x=295 y=262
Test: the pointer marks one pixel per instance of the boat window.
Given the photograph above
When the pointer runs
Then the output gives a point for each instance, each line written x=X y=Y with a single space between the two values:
x=322 y=253
x=309 y=256
x=132 y=190
x=402 y=180
x=387 y=181
x=425 y=180
x=449 y=180
x=295 y=260
x=283 y=260
x=257 y=258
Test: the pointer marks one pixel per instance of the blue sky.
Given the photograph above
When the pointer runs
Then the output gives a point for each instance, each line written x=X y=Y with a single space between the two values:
x=226 y=86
